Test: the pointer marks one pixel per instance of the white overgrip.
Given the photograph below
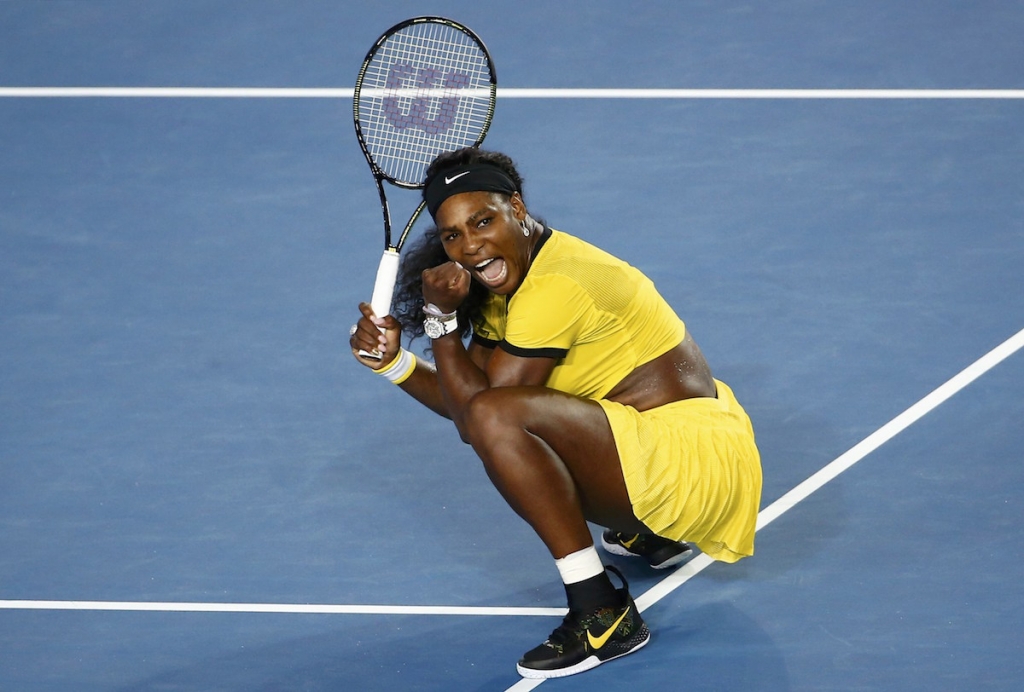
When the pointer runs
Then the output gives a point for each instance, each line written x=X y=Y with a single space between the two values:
x=384 y=286
x=383 y=290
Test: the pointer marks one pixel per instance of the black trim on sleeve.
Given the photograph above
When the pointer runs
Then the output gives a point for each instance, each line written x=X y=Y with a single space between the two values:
x=485 y=342
x=556 y=353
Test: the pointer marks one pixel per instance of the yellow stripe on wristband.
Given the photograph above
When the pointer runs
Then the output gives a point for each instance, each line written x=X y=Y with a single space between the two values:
x=400 y=369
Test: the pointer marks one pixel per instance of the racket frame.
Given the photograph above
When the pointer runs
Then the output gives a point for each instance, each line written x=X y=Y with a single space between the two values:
x=387 y=268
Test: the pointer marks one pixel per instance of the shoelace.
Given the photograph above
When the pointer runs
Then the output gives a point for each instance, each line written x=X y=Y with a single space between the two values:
x=572 y=624
x=567 y=632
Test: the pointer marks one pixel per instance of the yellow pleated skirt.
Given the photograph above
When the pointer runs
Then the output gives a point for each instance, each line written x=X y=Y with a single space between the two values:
x=693 y=471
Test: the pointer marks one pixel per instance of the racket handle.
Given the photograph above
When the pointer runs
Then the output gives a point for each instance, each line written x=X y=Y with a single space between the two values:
x=384 y=286
x=383 y=290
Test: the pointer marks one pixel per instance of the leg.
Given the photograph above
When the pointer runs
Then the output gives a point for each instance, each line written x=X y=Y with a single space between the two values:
x=552 y=457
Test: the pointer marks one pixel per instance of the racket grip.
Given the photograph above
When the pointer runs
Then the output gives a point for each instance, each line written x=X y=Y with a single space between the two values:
x=383 y=289
x=384 y=286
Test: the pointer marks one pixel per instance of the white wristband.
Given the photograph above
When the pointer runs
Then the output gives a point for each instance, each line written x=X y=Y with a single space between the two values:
x=432 y=309
x=400 y=369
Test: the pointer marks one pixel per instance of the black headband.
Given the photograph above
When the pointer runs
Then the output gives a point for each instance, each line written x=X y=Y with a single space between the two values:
x=475 y=177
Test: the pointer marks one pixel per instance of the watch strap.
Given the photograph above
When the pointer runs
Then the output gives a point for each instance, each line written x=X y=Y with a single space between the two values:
x=438 y=326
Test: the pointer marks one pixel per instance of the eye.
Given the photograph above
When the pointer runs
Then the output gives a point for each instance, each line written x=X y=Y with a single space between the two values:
x=486 y=221
x=450 y=236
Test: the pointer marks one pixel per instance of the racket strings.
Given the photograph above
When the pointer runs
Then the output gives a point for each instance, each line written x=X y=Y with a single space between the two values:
x=427 y=89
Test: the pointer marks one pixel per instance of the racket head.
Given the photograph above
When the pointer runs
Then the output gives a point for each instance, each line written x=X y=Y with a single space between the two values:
x=427 y=86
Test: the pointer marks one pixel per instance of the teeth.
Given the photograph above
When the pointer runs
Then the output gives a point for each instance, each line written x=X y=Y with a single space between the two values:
x=484 y=263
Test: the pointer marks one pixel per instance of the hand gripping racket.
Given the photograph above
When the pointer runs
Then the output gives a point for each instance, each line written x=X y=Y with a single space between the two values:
x=427 y=86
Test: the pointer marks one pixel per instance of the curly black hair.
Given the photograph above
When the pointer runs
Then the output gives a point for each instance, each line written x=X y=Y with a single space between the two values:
x=428 y=251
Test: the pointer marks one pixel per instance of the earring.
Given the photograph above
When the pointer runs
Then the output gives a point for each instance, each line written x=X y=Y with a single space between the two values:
x=526 y=229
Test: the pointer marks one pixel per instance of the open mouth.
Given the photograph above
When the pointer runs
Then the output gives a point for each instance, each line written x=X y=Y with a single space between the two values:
x=493 y=271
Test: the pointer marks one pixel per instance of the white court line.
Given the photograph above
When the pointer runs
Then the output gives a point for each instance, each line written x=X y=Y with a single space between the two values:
x=652 y=595
x=698 y=564
x=289 y=608
x=695 y=566
x=763 y=93
x=829 y=472
x=511 y=93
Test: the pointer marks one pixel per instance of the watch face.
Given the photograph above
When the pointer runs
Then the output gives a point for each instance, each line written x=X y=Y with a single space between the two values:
x=433 y=328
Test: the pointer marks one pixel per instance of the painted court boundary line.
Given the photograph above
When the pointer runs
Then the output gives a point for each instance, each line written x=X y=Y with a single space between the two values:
x=829 y=472
x=511 y=93
x=848 y=459
x=648 y=598
x=288 y=608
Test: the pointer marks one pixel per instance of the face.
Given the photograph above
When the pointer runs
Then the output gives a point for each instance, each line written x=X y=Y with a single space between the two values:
x=482 y=232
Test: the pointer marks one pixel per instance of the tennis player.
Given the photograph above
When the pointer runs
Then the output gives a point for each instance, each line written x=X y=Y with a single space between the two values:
x=581 y=391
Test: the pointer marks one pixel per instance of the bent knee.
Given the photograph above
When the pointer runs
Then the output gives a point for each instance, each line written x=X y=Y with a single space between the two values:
x=483 y=417
x=494 y=414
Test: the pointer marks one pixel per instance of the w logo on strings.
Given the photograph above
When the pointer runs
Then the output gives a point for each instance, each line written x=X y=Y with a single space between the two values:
x=417 y=112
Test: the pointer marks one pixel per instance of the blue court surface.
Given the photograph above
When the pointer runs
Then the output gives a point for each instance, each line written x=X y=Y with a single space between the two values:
x=202 y=490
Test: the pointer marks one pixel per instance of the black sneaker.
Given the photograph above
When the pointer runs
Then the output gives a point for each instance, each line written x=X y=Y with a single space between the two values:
x=659 y=552
x=585 y=641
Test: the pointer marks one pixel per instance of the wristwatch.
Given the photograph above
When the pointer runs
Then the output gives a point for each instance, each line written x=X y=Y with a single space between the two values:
x=435 y=327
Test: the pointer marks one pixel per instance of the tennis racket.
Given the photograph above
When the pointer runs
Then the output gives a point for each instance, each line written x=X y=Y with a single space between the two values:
x=427 y=86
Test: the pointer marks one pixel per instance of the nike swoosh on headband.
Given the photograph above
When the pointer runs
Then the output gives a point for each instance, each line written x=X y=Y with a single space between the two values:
x=449 y=181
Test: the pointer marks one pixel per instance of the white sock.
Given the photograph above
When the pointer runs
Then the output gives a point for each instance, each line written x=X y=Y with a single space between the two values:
x=583 y=564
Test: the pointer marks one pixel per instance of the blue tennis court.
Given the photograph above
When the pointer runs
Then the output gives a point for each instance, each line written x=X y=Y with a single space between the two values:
x=202 y=490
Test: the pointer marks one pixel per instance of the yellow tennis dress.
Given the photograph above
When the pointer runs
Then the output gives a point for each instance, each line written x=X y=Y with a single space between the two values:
x=691 y=467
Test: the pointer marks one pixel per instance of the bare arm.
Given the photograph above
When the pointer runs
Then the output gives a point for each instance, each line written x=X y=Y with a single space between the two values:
x=460 y=377
x=459 y=373
x=462 y=373
x=422 y=385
